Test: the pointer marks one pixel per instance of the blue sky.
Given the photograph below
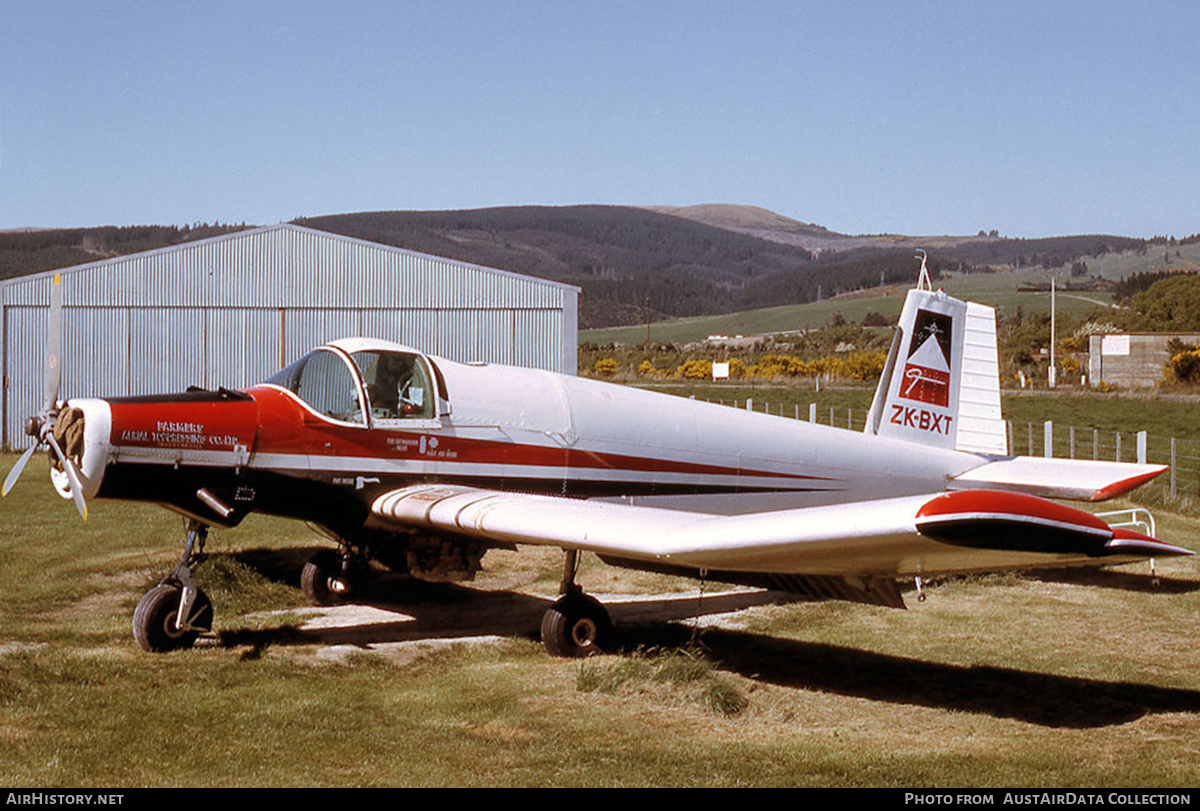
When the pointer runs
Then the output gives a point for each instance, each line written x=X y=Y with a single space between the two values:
x=913 y=117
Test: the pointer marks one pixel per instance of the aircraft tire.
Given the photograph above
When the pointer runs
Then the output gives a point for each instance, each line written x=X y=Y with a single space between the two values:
x=154 y=620
x=576 y=626
x=315 y=578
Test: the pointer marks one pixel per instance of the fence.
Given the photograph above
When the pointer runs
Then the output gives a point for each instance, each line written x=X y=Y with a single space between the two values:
x=1041 y=439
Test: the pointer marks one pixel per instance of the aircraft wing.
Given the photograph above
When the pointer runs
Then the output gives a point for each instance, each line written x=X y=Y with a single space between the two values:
x=939 y=533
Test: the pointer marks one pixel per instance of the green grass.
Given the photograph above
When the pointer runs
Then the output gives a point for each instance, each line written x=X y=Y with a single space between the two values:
x=1083 y=679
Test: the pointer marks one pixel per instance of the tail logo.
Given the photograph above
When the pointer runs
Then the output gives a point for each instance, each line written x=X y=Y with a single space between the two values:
x=926 y=377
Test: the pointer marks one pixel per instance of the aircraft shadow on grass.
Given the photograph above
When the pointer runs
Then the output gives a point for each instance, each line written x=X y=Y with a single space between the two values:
x=441 y=611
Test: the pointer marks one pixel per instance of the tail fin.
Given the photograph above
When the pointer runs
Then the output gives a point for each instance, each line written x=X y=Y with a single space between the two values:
x=941 y=384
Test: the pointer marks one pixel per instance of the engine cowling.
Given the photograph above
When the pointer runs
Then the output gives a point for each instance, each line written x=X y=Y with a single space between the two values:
x=82 y=429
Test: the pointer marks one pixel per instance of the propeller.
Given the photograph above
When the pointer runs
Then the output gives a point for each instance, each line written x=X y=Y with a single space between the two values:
x=41 y=427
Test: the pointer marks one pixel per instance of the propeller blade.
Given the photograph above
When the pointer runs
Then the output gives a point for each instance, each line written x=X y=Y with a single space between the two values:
x=72 y=476
x=54 y=343
x=11 y=479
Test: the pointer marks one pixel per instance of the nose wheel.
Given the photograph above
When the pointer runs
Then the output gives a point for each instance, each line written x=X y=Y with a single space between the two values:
x=174 y=614
x=157 y=623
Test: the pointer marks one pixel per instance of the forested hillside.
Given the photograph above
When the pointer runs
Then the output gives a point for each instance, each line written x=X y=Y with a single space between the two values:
x=631 y=263
x=33 y=251
x=634 y=263
x=625 y=259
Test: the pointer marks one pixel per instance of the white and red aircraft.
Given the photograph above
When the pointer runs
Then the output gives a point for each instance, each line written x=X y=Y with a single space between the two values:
x=423 y=464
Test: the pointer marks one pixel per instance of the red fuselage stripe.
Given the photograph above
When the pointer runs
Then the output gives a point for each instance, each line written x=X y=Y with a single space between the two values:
x=277 y=423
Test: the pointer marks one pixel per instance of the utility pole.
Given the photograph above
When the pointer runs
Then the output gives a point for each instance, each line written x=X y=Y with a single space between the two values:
x=1052 y=371
x=647 y=327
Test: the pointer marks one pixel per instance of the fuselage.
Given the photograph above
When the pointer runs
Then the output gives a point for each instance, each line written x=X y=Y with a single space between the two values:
x=322 y=448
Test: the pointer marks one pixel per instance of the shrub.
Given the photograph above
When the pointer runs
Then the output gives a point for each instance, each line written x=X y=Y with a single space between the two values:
x=606 y=367
x=1184 y=367
x=695 y=370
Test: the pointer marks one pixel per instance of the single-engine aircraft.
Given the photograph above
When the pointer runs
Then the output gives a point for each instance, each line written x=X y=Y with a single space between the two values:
x=424 y=464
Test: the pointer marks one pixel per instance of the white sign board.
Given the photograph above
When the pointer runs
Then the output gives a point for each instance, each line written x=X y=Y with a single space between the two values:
x=1114 y=345
x=721 y=371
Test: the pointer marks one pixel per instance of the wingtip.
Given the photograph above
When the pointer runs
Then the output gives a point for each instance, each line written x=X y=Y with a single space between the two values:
x=1125 y=485
x=1126 y=540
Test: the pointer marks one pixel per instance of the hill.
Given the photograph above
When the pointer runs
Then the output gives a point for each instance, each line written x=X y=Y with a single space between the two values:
x=658 y=263
x=631 y=263
x=764 y=224
x=33 y=250
x=628 y=261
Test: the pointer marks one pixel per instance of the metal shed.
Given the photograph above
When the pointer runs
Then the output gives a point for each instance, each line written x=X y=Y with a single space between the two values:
x=232 y=310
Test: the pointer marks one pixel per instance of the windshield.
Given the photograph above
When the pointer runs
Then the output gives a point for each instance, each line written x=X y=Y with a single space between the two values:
x=323 y=380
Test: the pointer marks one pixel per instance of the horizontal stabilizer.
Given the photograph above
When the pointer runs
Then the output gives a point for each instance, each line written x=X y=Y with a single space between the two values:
x=1078 y=479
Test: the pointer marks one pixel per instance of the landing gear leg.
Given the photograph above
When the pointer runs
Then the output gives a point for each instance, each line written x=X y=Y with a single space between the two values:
x=174 y=613
x=576 y=625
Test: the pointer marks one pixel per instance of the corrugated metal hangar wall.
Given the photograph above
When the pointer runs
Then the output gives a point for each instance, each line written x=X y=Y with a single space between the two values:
x=232 y=310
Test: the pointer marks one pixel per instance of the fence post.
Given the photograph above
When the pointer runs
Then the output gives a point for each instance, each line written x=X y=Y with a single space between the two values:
x=1118 y=452
x=812 y=413
x=749 y=403
x=850 y=419
x=1071 y=435
x=1095 y=444
x=1172 y=467
x=1141 y=447
x=1047 y=439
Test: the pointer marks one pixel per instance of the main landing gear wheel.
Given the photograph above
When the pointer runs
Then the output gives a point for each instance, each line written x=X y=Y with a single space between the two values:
x=156 y=625
x=576 y=626
x=323 y=579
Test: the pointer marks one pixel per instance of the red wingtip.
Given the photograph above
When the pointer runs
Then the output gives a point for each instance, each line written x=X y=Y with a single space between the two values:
x=1127 y=539
x=1125 y=485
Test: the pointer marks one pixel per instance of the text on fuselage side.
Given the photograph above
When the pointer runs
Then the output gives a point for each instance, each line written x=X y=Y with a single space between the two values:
x=179 y=433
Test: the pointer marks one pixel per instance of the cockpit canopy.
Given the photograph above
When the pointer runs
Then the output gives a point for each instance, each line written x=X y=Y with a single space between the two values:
x=389 y=385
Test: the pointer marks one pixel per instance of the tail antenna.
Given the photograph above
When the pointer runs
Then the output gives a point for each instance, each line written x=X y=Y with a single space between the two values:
x=923 y=281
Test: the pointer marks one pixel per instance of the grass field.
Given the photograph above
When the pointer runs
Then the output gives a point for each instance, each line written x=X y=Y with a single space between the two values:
x=1076 y=679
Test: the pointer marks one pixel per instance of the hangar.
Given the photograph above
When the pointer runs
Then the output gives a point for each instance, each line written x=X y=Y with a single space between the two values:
x=234 y=309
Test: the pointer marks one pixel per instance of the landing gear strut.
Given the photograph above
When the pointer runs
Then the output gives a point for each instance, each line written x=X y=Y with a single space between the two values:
x=576 y=625
x=173 y=614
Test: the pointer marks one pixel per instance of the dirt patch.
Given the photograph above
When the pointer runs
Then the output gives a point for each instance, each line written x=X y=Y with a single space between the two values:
x=455 y=615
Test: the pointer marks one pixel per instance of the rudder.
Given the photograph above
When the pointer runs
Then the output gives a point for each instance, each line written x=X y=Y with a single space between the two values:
x=941 y=383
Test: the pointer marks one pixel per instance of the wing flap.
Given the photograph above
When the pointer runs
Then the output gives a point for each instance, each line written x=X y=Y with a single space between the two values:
x=916 y=535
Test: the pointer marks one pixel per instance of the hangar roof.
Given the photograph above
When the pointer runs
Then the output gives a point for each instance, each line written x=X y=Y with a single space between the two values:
x=289 y=265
